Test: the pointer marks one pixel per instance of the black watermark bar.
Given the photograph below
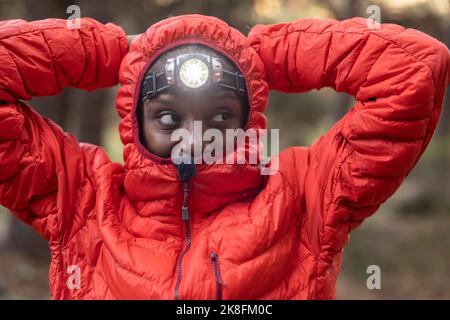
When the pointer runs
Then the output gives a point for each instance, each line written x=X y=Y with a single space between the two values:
x=231 y=309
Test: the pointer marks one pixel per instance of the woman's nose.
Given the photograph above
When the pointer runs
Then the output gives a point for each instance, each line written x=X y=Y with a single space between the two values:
x=195 y=145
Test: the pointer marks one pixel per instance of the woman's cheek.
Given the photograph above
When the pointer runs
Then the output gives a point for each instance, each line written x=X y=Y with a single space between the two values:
x=159 y=143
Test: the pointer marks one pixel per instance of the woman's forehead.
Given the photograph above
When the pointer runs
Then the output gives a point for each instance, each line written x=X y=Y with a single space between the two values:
x=212 y=92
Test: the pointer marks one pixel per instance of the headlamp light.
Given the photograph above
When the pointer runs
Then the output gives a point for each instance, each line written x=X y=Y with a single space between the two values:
x=192 y=71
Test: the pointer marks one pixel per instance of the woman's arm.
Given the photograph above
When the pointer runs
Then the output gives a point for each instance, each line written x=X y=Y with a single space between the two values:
x=45 y=174
x=41 y=58
x=398 y=77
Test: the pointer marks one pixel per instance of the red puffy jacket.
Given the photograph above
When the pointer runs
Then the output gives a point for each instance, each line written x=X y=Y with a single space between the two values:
x=119 y=228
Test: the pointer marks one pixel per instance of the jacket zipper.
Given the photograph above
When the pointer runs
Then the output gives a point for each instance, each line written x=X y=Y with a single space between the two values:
x=214 y=258
x=187 y=244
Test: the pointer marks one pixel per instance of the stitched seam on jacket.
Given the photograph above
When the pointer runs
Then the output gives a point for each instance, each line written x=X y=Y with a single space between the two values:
x=38 y=29
x=18 y=70
x=55 y=73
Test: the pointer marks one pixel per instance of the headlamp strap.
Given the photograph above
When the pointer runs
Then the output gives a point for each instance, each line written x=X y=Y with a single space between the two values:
x=153 y=84
x=233 y=80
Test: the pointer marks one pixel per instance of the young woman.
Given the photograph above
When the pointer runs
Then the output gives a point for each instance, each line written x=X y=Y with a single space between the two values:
x=150 y=230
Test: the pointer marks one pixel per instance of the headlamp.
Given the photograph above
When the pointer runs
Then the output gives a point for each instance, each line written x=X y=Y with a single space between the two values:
x=192 y=71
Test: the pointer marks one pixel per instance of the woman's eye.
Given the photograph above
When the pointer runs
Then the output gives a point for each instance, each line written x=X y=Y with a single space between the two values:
x=169 y=119
x=223 y=116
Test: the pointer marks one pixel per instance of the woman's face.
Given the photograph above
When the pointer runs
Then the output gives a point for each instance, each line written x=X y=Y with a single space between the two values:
x=216 y=108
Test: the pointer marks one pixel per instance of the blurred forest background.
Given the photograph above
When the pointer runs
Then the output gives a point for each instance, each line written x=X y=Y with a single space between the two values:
x=408 y=238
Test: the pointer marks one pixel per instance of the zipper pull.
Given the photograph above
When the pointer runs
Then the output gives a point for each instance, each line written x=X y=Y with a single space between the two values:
x=186 y=171
x=185 y=213
x=185 y=207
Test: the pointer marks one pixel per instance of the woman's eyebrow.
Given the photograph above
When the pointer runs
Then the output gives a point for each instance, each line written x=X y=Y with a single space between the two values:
x=225 y=94
x=166 y=101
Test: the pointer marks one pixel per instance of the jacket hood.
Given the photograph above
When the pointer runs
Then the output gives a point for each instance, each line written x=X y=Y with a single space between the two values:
x=144 y=168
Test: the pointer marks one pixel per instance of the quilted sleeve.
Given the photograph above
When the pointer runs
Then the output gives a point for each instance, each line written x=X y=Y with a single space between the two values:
x=398 y=77
x=44 y=171
x=41 y=58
